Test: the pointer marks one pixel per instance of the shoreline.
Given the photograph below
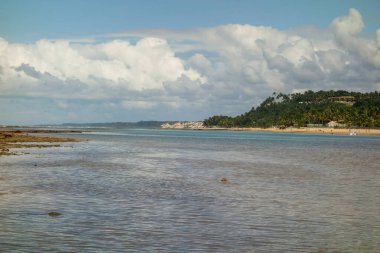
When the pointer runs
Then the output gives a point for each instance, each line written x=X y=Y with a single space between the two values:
x=11 y=139
x=303 y=130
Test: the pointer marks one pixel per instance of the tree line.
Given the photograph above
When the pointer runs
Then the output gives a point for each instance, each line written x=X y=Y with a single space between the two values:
x=308 y=108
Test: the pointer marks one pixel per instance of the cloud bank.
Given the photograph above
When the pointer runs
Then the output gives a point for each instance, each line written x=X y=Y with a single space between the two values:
x=183 y=75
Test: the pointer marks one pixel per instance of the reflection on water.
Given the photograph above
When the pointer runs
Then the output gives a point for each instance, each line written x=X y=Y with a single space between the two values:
x=160 y=191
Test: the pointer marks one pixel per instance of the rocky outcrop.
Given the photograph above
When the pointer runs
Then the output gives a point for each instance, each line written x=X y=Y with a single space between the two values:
x=184 y=125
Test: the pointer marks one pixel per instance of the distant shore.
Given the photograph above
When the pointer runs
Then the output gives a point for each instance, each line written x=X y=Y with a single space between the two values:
x=13 y=139
x=198 y=125
x=307 y=130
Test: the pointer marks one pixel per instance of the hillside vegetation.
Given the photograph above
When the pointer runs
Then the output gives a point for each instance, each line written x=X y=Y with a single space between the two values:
x=350 y=109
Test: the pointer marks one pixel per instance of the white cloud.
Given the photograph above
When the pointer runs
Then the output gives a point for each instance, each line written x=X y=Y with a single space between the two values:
x=116 y=65
x=199 y=62
x=220 y=69
x=348 y=25
x=137 y=104
x=346 y=29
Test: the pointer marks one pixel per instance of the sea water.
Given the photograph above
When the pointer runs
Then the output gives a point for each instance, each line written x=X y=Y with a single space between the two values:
x=161 y=191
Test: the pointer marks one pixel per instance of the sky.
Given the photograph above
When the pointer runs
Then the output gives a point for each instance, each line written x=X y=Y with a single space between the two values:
x=117 y=60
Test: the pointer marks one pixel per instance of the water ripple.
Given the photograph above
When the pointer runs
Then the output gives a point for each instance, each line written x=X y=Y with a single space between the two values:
x=157 y=191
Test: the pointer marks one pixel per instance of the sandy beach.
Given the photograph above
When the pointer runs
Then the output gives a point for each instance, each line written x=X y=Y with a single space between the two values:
x=306 y=130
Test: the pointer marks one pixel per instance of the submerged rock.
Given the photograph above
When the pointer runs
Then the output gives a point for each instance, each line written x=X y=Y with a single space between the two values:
x=54 y=214
x=224 y=180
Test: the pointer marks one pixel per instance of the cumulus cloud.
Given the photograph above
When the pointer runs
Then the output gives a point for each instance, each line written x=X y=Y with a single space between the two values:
x=260 y=59
x=348 y=25
x=116 y=65
x=137 y=104
x=346 y=29
x=199 y=62
x=223 y=69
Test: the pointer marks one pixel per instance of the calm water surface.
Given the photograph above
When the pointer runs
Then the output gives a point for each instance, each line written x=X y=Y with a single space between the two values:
x=160 y=191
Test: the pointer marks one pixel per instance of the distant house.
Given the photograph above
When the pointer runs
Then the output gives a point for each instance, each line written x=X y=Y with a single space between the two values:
x=314 y=125
x=347 y=100
x=335 y=124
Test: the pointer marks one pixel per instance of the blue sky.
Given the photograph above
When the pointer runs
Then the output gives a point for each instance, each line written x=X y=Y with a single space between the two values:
x=119 y=60
x=27 y=21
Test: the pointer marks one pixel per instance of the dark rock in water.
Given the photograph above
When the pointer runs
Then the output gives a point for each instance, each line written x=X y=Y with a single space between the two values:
x=224 y=180
x=54 y=214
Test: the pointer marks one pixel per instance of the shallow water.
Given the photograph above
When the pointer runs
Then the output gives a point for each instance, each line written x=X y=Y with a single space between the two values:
x=160 y=191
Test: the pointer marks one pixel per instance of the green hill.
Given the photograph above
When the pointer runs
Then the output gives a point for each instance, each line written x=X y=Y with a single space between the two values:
x=352 y=109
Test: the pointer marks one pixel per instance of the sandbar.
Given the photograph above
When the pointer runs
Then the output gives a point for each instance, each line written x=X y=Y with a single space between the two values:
x=10 y=139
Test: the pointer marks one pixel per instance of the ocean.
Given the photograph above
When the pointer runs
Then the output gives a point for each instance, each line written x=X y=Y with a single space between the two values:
x=140 y=190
